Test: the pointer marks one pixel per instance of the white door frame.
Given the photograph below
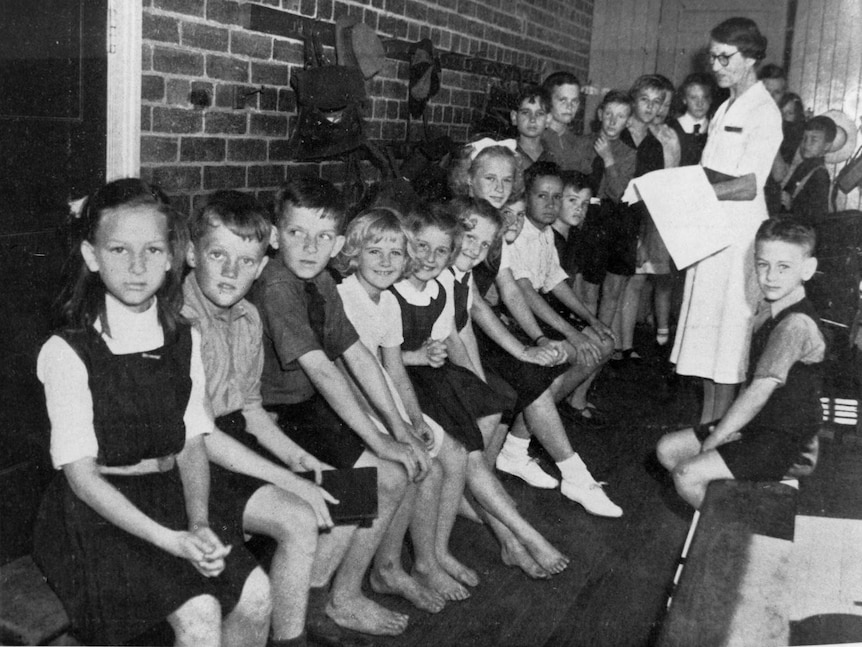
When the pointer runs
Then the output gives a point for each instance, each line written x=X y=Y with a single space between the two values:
x=123 y=157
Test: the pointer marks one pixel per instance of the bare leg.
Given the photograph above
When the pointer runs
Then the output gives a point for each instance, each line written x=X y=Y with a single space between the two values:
x=662 y=295
x=247 y=624
x=347 y=606
x=197 y=623
x=612 y=292
x=291 y=522
x=388 y=574
x=692 y=477
x=590 y=294
x=543 y=420
x=676 y=447
x=628 y=310
x=453 y=461
x=724 y=396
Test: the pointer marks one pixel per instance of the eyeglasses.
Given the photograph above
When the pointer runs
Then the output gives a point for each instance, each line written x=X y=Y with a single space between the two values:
x=723 y=59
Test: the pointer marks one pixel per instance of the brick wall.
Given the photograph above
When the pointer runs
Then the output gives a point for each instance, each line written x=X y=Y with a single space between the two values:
x=199 y=49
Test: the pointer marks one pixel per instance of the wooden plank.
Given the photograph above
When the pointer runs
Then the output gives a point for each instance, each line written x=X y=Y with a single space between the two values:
x=730 y=589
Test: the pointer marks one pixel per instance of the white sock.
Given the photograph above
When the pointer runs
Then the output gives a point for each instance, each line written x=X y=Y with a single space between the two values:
x=516 y=447
x=574 y=469
x=662 y=336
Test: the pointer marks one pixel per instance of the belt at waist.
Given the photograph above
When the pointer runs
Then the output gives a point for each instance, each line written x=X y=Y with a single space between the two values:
x=145 y=466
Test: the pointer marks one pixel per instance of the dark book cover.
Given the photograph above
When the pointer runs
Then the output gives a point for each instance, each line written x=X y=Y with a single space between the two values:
x=356 y=491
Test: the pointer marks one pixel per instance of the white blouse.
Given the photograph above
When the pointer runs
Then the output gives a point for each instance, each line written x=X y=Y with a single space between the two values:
x=67 y=392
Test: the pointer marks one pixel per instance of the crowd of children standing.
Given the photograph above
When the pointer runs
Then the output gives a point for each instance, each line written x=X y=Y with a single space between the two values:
x=194 y=376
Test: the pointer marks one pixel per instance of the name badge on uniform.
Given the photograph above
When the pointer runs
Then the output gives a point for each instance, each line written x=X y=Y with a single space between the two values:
x=733 y=129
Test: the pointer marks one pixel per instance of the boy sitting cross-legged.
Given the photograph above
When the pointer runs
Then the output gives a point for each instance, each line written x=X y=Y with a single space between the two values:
x=229 y=237
x=305 y=332
x=774 y=420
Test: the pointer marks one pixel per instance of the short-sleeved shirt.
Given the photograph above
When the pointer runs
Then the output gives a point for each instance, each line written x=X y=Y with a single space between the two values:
x=281 y=299
x=67 y=391
x=795 y=339
x=534 y=257
x=231 y=349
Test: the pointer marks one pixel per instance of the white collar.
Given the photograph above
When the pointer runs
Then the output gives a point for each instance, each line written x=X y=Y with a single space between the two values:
x=414 y=295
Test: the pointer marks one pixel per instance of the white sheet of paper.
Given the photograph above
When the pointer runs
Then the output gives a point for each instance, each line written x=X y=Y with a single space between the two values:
x=685 y=210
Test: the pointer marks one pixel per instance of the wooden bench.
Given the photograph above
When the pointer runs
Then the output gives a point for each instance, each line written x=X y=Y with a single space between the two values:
x=734 y=583
x=30 y=613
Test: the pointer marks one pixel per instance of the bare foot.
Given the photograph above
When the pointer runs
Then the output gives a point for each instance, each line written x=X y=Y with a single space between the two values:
x=361 y=614
x=415 y=591
x=514 y=554
x=548 y=557
x=457 y=570
x=439 y=580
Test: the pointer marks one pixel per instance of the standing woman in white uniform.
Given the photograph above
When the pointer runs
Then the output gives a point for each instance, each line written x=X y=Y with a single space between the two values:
x=721 y=291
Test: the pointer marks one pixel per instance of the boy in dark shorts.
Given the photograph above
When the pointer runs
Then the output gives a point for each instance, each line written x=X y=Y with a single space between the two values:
x=305 y=332
x=776 y=416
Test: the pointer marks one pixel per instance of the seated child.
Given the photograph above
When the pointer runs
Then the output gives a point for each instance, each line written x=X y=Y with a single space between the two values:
x=778 y=412
x=451 y=391
x=805 y=194
x=227 y=252
x=305 y=331
x=536 y=268
x=127 y=535
x=374 y=258
x=537 y=374
x=530 y=119
x=574 y=205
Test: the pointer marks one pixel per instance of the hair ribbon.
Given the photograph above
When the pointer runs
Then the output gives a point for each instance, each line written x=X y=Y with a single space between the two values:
x=486 y=142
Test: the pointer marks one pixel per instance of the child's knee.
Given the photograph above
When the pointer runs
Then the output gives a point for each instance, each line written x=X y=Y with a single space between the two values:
x=197 y=621
x=391 y=480
x=665 y=453
x=255 y=603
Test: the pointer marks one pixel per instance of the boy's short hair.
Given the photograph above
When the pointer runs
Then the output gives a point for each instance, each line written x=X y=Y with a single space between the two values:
x=369 y=226
x=697 y=78
x=651 y=82
x=533 y=93
x=575 y=180
x=743 y=34
x=557 y=79
x=823 y=124
x=789 y=231
x=771 y=71
x=537 y=170
x=311 y=192
x=515 y=196
x=617 y=96
x=239 y=212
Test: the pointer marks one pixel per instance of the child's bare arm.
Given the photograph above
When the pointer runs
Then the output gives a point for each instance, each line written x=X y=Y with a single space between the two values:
x=260 y=424
x=395 y=367
x=563 y=291
x=517 y=306
x=747 y=405
x=459 y=355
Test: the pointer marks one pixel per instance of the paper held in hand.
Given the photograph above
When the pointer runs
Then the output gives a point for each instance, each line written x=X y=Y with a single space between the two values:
x=685 y=210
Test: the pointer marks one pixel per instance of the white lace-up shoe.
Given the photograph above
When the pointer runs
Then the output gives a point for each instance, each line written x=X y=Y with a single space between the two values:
x=591 y=495
x=526 y=468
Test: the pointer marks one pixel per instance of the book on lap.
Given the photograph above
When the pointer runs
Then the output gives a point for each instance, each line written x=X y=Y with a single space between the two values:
x=356 y=491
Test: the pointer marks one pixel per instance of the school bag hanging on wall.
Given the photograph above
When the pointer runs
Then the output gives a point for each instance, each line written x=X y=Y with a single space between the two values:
x=330 y=99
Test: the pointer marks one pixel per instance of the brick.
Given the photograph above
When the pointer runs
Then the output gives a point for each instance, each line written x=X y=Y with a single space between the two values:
x=176 y=120
x=146 y=118
x=246 y=150
x=392 y=109
x=152 y=87
x=395 y=6
x=224 y=177
x=268 y=99
x=416 y=10
x=177 y=92
x=202 y=149
x=175 y=179
x=269 y=73
x=307 y=7
x=161 y=28
x=225 y=95
x=180 y=203
x=325 y=9
x=279 y=150
x=251 y=45
x=146 y=57
x=206 y=88
x=188 y=7
x=224 y=12
x=269 y=175
x=158 y=149
x=269 y=125
x=175 y=61
x=288 y=51
x=227 y=68
x=393 y=130
x=205 y=37
x=228 y=123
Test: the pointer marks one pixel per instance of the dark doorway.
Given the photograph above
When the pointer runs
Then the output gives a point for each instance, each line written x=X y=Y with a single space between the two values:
x=53 y=124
